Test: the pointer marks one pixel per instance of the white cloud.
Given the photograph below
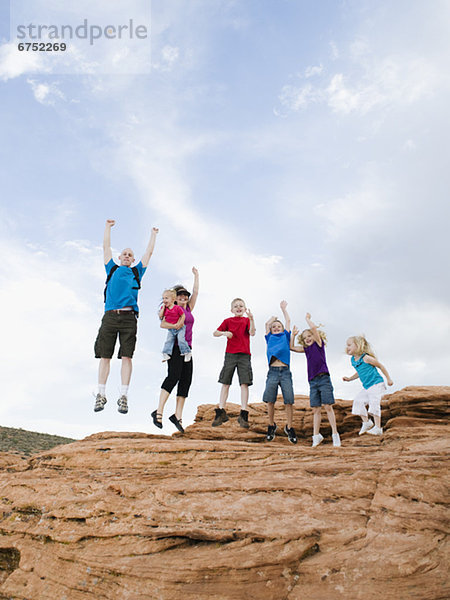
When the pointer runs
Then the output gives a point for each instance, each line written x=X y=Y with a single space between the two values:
x=334 y=51
x=354 y=213
x=384 y=84
x=294 y=98
x=46 y=93
x=313 y=71
x=169 y=57
x=368 y=84
x=14 y=63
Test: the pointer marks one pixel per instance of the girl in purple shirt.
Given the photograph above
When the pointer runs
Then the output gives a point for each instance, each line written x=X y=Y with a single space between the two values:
x=312 y=344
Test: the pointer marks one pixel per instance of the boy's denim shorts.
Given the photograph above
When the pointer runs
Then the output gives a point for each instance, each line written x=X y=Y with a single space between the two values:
x=320 y=390
x=239 y=361
x=279 y=376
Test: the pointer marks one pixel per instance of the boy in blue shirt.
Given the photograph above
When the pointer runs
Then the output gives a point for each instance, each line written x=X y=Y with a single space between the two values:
x=279 y=356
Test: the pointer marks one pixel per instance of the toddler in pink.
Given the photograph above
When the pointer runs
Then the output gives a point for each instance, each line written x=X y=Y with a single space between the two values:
x=174 y=315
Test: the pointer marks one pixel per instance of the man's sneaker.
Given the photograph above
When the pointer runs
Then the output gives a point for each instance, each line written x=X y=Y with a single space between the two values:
x=100 y=402
x=122 y=404
x=336 y=440
x=365 y=426
x=376 y=431
x=271 y=432
x=157 y=421
x=317 y=439
x=290 y=432
x=176 y=422
x=221 y=417
x=187 y=357
x=243 y=419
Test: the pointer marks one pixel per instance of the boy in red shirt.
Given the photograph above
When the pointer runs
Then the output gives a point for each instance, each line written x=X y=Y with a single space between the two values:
x=237 y=330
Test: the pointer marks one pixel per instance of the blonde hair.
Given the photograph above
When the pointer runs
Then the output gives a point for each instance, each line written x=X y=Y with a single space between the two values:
x=172 y=292
x=322 y=334
x=237 y=300
x=362 y=345
x=277 y=321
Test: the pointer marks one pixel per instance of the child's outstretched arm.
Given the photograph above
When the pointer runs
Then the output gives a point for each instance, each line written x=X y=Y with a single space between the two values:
x=269 y=324
x=352 y=378
x=287 y=318
x=292 y=345
x=161 y=312
x=313 y=328
x=375 y=363
x=252 y=329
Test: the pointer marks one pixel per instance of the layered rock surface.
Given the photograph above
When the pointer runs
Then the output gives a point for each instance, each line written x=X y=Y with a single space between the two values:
x=221 y=513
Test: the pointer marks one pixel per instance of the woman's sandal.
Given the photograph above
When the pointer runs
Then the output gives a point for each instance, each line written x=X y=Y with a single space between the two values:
x=177 y=423
x=157 y=419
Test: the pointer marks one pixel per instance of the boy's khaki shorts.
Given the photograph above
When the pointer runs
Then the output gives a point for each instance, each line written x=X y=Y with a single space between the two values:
x=239 y=361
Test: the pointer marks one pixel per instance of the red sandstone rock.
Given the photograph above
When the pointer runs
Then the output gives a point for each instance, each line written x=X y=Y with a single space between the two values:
x=220 y=513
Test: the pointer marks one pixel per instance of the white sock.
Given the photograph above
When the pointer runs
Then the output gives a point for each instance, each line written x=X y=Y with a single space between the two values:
x=124 y=390
x=102 y=389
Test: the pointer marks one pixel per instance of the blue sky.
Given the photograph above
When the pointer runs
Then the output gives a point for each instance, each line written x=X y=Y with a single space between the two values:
x=290 y=150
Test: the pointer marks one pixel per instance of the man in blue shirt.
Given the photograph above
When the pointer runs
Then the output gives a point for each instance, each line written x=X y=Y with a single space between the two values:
x=120 y=318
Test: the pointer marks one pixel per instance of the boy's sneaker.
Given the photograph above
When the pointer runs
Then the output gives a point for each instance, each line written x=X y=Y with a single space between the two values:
x=243 y=419
x=165 y=357
x=177 y=423
x=271 y=432
x=100 y=402
x=122 y=404
x=290 y=432
x=221 y=417
x=336 y=440
x=365 y=426
x=317 y=439
x=376 y=431
x=187 y=357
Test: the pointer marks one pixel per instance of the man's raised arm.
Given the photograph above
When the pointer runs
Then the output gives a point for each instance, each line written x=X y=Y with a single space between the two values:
x=151 y=245
x=107 y=252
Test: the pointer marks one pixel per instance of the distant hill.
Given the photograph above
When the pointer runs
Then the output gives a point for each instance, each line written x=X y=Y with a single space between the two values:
x=20 y=441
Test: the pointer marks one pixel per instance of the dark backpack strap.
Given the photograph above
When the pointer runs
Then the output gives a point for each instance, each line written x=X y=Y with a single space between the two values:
x=110 y=274
x=136 y=276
